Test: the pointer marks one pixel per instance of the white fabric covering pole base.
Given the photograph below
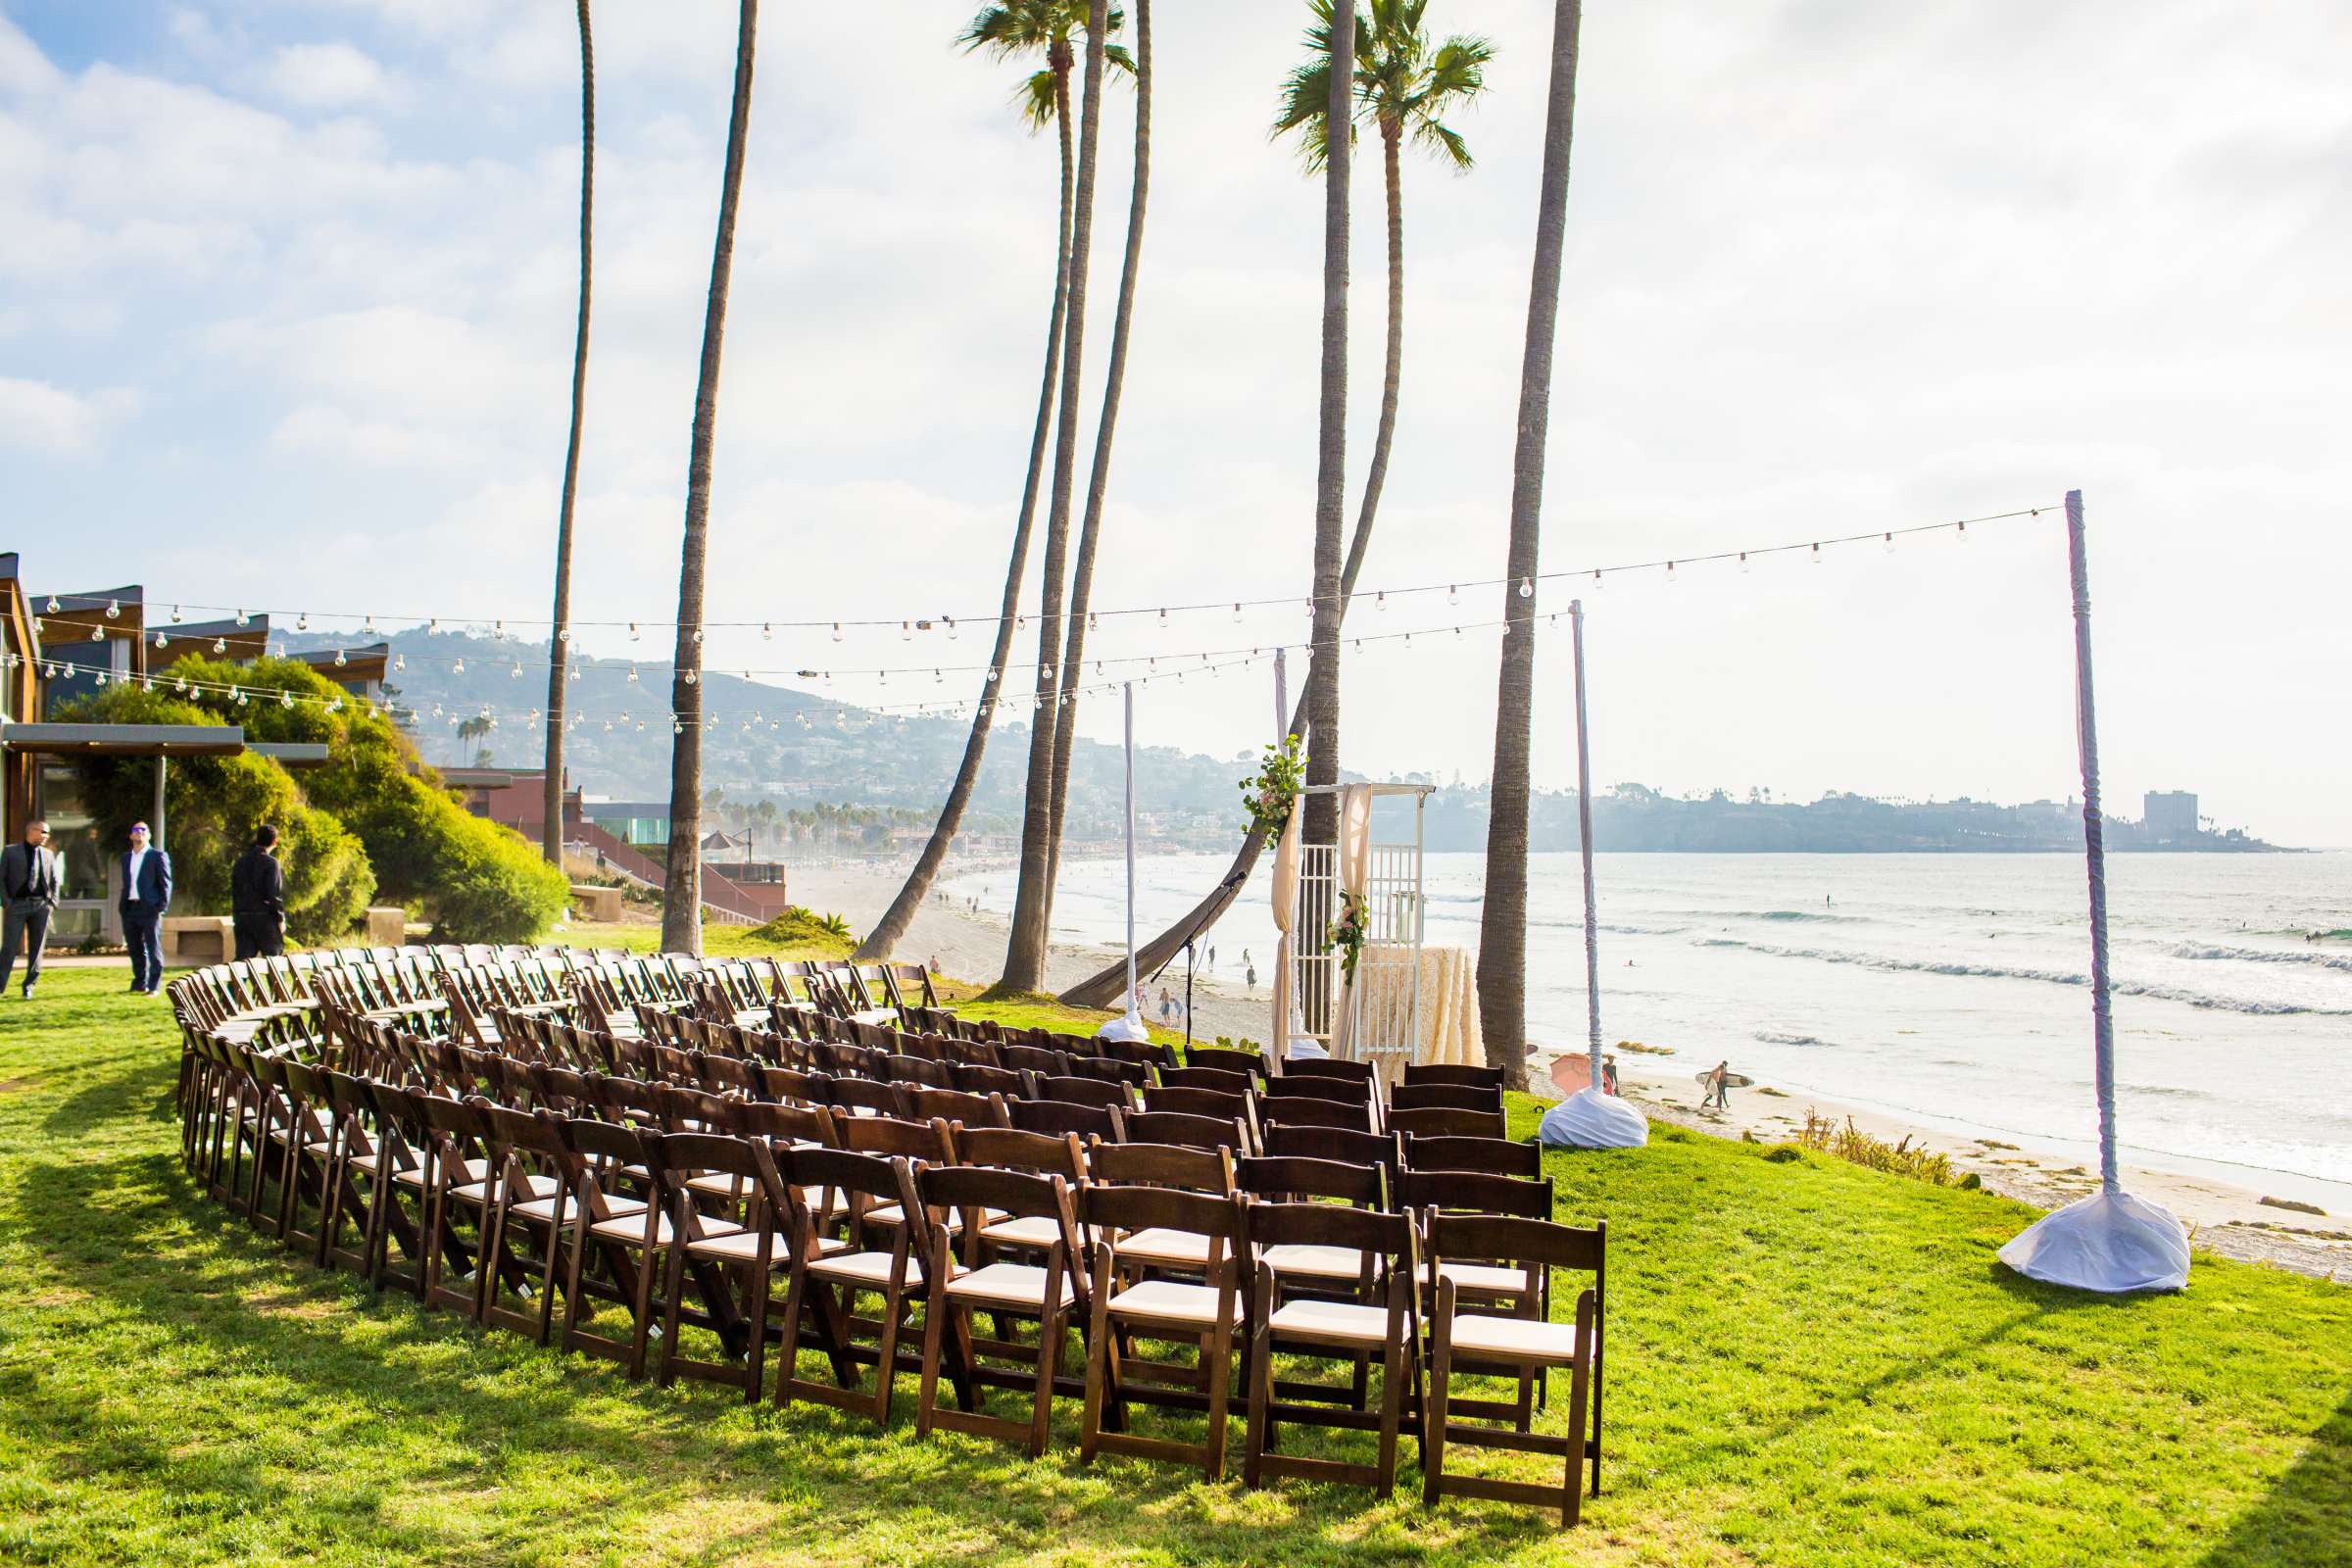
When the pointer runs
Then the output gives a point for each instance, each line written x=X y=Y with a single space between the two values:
x=1592 y=1119
x=2109 y=1242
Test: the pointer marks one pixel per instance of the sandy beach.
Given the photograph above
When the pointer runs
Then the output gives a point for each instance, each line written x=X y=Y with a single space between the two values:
x=2223 y=1214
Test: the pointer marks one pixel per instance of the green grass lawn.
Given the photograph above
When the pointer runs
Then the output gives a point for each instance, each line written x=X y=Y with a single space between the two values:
x=1809 y=1363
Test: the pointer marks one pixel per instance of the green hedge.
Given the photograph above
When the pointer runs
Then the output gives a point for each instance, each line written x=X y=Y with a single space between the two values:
x=212 y=806
x=475 y=880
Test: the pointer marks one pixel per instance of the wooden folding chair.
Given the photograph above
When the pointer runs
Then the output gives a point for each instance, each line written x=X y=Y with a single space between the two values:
x=1187 y=1132
x=1252 y=1064
x=1521 y=1343
x=1207 y=1315
x=1102 y=1093
x=1444 y=1097
x=735 y=1262
x=1314 y=1110
x=534 y=1207
x=1047 y=1291
x=1384 y=1323
x=625 y=1233
x=1346 y=1145
x=825 y=1284
x=1493 y=1156
x=1445 y=1121
x=1056 y=1120
x=1469 y=1077
x=1360 y=1072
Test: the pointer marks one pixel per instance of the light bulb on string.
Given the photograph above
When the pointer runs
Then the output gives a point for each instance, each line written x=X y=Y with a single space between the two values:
x=459 y=668
x=633 y=633
x=632 y=674
x=219 y=644
x=162 y=640
x=175 y=615
x=342 y=659
x=992 y=675
x=1889 y=538
x=837 y=631
x=1237 y=612
x=1453 y=595
x=1743 y=561
x=113 y=609
x=432 y=627
x=243 y=619
x=1817 y=553
x=1527 y=588
x=399 y=662
x=698 y=636
x=693 y=678
x=574 y=674
x=906 y=632
x=1670 y=571
x=1963 y=529
x=52 y=607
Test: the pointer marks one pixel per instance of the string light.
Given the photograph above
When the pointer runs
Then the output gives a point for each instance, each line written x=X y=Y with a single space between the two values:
x=113 y=609
x=302 y=623
x=1527 y=588
x=837 y=631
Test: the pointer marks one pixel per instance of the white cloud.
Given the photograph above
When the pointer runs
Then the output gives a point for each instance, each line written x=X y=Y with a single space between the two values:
x=326 y=75
x=40 y=417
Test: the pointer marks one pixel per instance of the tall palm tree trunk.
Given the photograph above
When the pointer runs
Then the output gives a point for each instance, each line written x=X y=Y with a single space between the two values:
x=1331 y=450
x=558 y=638
x=682 y=880
x=1025 y=949
x=1503 y=923
x=1082 y=585
x=1331 y=485
x=887 y=934
x=1391 y=147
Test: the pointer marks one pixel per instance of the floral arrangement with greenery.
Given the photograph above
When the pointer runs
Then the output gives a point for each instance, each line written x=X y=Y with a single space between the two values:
x=1271 y=793
x=1348 y=931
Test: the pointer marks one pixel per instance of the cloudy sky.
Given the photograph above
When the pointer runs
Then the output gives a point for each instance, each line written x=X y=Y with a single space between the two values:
x=286 y=294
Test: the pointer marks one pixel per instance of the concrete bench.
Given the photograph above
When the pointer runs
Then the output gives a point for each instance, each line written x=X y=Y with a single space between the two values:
x=198 y=939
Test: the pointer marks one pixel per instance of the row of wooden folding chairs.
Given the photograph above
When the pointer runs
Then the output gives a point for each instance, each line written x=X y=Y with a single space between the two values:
x=715 y=1196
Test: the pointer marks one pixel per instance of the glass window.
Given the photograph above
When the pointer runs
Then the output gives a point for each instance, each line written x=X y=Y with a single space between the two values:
x=63 y=799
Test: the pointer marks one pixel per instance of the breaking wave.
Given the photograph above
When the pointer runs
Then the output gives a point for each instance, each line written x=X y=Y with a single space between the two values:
x=1773 y=1038
x=2058 y=977
x=2320 y=960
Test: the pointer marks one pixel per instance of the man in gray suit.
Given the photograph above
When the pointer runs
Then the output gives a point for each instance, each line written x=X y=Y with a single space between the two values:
x=31 y=880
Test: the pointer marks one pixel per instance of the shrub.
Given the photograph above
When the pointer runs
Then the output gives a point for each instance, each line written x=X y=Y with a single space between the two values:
x=1850 y=1143
x=212 y=807
x=476 y=880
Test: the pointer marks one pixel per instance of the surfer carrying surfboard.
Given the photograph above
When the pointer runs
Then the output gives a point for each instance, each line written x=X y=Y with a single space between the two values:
x=1718 y=1081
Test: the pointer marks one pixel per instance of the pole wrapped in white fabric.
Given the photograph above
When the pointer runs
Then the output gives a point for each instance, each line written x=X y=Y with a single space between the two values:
x=1355 y=859
x=1592 y=1117
x=1129 y=1025
x=2110 y=1241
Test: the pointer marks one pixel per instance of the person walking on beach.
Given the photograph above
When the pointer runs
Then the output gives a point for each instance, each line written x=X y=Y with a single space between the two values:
x=1168 y=1006
x=1608 y=1075
x=1249 y=976
x=257 y=892
x=1719 y=1095
x=146 y=899
x=31 y=877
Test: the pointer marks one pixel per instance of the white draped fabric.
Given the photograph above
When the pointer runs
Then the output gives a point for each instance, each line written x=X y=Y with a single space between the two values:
x=2110 y=1241
x=1355 y=853
x=1592 y=1119
x=1286 y=910
x=1449 y=1033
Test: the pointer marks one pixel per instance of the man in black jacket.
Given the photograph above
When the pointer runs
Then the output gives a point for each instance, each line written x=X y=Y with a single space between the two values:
x=31 y=878
x=256 y=891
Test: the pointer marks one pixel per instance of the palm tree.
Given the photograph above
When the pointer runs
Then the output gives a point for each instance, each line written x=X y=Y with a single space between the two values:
x=475 y=727
x=1331 y=447
x=559 y=642
x=1407 y=86
x=1502 y=921
x=1025 y=949
x=682 y=881
x=1082 y=583
x=1023 y=28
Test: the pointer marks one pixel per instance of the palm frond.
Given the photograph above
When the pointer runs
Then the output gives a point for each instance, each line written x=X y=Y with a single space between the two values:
x=1445 y=143
x=1035 y=100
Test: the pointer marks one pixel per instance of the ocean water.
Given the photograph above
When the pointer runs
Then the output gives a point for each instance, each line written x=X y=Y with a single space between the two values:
x=1948 y=989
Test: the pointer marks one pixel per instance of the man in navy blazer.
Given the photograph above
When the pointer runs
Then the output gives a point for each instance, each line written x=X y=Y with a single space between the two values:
x=146 y=896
